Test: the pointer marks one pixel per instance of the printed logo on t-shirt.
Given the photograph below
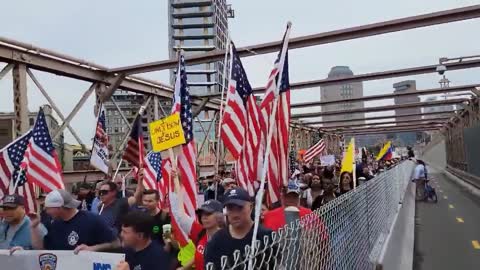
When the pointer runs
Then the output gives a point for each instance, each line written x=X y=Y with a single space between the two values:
x=137 y=267
x=73 y=238
x=156 y=229
x=201 y=249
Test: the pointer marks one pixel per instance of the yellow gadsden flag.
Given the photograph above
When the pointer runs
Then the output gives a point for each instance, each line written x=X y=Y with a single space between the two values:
x=348 y=157
x=384 y=150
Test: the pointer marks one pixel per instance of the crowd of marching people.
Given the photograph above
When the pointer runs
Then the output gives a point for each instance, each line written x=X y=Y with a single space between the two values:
x=155 y=221
x=107 y=217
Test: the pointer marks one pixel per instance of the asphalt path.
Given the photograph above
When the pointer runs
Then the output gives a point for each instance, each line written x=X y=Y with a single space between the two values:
x=447 y=234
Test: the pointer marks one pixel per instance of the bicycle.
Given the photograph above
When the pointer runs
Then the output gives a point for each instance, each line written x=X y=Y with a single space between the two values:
x=430 y=193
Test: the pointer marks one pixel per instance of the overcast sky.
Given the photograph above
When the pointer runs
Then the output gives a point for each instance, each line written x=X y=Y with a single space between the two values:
x=120 y=32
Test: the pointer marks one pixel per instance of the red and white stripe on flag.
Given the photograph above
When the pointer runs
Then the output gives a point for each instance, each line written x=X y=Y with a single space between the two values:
x=234 y=122
x=314 y=151
x=277 y=169
x=42 y=168
x=240 y=127
x=40 y=161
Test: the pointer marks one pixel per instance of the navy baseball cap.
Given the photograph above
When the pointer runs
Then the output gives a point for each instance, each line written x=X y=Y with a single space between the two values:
x=237 y=196
x=210 y=206
x=293 y=187
x=13 y=201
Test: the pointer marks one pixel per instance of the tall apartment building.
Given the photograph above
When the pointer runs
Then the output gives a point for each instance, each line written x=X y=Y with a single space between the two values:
x=199 y=26
x=405 y=87
x=406 y=138
x=342 y=92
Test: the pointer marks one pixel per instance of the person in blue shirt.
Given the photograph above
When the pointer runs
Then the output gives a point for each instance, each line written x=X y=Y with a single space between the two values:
x=96 y=201
x=140 y=251
x=72 y=229
x=15 y=226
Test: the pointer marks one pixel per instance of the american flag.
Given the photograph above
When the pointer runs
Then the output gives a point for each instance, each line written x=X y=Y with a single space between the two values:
x=314 y=151
x=187 y=157
x=40 y=162
x=99 y=156
x=241 y=129
x=101 y=131
x=134 y=152
x=277 y=171
x=152 y=178
x=11 y=157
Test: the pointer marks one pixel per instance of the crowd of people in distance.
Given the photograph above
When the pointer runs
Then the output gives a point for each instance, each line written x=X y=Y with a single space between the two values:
x=110 y=218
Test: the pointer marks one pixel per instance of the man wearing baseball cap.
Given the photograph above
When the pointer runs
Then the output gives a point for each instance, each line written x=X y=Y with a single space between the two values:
x=239 y=231
x=290 y=210
x=289 y=213
x=72 y=229
x=15 y=226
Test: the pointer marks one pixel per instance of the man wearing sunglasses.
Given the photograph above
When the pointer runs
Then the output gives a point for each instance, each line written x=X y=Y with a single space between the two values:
x=15 y=226
x=112 y=209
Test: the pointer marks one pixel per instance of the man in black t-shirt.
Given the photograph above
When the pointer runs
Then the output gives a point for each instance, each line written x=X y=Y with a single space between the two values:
x=72 y=229
x=150 y=201
x=238 y=234
x=140 y=251
x=85 y=196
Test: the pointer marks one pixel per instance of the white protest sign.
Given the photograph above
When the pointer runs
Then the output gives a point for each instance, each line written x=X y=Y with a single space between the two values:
x=59 y=260
x=328 y=160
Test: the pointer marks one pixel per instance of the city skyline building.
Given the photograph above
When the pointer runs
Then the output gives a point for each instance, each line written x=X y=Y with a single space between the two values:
x=406 y=138
x=342 y=92
x=441 y=108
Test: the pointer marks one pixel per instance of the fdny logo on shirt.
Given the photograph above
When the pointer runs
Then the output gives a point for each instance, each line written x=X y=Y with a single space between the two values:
x=201 y=249
x=47 y=261
x=73 y=238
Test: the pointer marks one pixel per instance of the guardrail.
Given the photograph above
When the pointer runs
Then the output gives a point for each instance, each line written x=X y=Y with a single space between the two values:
x=347 y=233
x=465 y=176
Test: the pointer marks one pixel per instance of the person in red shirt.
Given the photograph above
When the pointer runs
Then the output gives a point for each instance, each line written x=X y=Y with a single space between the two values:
x=210 y=216
x=290 y=210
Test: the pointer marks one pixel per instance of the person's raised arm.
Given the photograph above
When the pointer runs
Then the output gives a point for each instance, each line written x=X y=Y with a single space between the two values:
x=137 y=197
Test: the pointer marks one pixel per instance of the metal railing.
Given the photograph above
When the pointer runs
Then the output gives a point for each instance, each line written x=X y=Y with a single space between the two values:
x=346 y=233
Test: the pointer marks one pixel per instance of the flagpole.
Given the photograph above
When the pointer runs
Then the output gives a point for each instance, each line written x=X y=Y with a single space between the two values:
x=16 y=181
x=226 y=79
x=354 y=169
x=259 y=197
x=116 y=170
x=100 y=107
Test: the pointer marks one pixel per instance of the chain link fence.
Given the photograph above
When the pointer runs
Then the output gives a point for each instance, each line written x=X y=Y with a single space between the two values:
x=346 y=233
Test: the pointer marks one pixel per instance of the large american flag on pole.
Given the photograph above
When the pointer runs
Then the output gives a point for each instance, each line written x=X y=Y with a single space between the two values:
x=134 y=152
x=40 y=162
x=314 y=151
x=277 y=171
x=186 y=157
x=241 y=131
x=11 y=157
